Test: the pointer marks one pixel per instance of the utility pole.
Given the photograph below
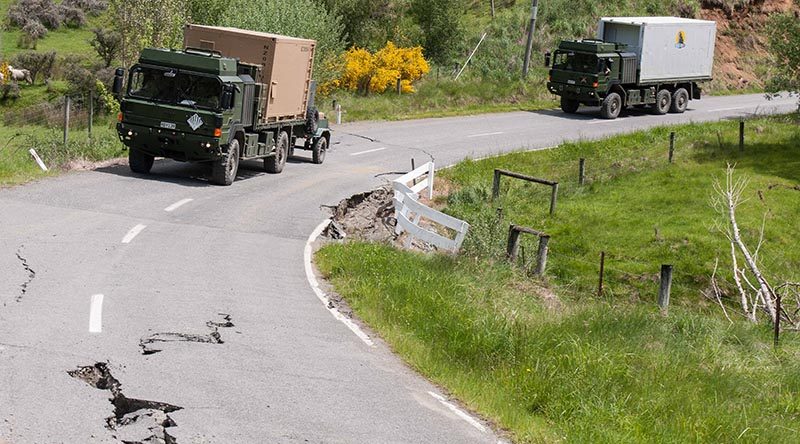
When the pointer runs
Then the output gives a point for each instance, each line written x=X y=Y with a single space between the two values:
x=529 y=47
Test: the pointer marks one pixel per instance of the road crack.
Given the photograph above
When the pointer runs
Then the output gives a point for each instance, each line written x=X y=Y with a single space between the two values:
x=29 y=270
x=133 y=418
x=213 y=337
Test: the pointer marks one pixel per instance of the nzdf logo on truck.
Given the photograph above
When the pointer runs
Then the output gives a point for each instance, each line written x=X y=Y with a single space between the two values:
x=680 y=40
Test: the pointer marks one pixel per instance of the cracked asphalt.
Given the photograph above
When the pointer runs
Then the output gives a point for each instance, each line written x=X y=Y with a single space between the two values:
x=281 y=369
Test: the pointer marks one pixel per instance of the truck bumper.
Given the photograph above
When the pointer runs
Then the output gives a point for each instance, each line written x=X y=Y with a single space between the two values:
x=177 y=145
x=584 y=94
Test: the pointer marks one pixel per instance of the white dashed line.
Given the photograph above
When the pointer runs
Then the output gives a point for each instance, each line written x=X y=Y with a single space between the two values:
x=96 y=314
x=133 y=233
x=312 y=281
x=177 y=205
x=485 y=134
x=461 y=414
x=368 y=151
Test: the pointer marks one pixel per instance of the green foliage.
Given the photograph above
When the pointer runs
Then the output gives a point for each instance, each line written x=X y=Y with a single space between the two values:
x=207 y=12
x=371 y=23
x=442 y=24
x=145 y=23
x=37 y=63
x=107 y=43
x=297 y=18
x=784 y=40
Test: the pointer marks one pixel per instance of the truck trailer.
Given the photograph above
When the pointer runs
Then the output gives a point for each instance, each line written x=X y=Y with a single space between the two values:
x=655 y=62
x=229 y=95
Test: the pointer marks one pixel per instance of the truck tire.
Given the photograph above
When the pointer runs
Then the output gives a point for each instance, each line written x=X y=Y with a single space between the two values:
x=680 y=101
x=319 y=150
x=663 y=102
x=569 y=106
x=611 y=106
x=139 y=161
x=223 y=171
x=274 y=164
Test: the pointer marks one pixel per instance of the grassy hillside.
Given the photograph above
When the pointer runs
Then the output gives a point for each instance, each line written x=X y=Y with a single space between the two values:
x=551 y=362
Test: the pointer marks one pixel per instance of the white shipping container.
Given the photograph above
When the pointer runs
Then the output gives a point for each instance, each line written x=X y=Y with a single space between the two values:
x=669 y=48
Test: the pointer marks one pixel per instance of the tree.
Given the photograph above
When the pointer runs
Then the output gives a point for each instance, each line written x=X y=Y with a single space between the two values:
x=296 y=18
x=107 y=43
x=442 y=26
x=144 y=23
x=207 y=12
x=784 y=44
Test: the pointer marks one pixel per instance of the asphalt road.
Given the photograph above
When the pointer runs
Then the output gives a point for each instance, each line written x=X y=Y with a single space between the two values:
x=172 y=255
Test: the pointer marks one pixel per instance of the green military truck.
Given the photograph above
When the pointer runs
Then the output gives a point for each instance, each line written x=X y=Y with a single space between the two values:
x=655 y=62
x=231 y=95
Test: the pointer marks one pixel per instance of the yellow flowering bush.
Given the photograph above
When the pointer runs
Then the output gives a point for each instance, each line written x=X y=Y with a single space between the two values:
x=5 y=72
x=380 y=71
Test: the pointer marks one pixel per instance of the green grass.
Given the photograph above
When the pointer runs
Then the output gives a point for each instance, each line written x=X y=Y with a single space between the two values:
x=611 y=369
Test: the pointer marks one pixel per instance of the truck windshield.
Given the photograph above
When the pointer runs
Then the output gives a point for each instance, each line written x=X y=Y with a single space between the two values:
x=175 y=87
x=576 y=61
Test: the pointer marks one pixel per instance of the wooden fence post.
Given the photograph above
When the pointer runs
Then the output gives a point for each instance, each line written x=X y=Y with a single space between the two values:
x=67 y=102
x=741 y=135
x=665 y=287
x=91 y=111
x=581 y=171
x=602 y=270
x=553 y=197
x=671 y=145
x=777 y=319
x=512 y=248
x=496 y=185
x=541 y=255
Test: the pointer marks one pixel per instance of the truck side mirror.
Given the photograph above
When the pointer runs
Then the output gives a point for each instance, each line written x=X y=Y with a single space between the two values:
x=118 y=79
x=227 y=97
x=547 y=56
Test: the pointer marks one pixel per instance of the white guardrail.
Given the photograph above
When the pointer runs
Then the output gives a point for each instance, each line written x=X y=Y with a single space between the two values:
x=409 y=212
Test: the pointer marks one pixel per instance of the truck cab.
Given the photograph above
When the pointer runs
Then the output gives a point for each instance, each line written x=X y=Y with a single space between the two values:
x=196 y=105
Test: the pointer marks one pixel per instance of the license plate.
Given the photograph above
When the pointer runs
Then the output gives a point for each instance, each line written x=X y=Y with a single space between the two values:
x=167 y=125
x=571 y=82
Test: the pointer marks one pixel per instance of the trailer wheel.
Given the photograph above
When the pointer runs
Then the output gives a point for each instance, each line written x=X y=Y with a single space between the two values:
x=569 y=106
x=663 y=102
x=274 y=164
x=223 y=171
x=611 y=107
x=319 y=150
x=139 y=161
x=680 y=101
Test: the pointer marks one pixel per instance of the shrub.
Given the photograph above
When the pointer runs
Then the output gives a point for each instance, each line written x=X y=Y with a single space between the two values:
x=91 y=7
x=72 y=17
x=37 y=63
x=107 y=43
x=378 y=72
x=31 y=33
x=9 y=91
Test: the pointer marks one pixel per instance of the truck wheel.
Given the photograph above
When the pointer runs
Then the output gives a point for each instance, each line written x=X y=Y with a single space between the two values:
x=312 y=119
x=223 y=171
x=569 y=106
x=319 y=150
x=274 y=164
x=139 y=162
x=680 y=100
x=611 y=107
x=663 y=102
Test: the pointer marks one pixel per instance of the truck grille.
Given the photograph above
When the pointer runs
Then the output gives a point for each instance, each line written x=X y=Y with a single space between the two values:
x=247 y=105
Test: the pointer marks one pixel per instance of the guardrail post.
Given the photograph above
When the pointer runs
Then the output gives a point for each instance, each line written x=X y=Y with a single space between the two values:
x=541 y=255
x=741 y=135
x=431 y=170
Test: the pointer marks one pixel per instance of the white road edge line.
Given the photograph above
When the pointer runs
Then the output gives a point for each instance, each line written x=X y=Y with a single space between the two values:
x=485 y=134
x=598 y=122
x=461 y=414
x=96 y=314
x=177 y=205
x=368 y=151
x=729 y=109
x=133 y=233
x=312 y=281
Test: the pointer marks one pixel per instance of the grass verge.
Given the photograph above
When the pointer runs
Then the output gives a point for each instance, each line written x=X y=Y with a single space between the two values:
x=588 y=369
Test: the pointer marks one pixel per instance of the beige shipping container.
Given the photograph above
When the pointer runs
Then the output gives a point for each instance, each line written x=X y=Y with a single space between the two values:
x=286 y=65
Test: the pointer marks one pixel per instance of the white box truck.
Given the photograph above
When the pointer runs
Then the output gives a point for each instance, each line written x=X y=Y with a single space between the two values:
x=635 y=61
